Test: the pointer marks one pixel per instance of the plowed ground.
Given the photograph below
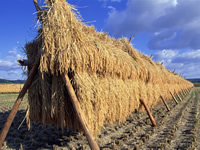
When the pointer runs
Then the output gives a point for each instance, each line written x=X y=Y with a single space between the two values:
x=176 y=129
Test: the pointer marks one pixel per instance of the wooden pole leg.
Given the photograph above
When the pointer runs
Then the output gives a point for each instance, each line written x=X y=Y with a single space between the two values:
x=173 y=98
x=178 y=96
x=183 y=93
x=17 y=104
x=148 y=112
x=163 y=100
x=81 y=117
x=188 y=91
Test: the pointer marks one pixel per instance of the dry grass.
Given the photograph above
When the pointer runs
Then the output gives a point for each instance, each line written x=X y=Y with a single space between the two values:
x=10 y=88
x=109 y=76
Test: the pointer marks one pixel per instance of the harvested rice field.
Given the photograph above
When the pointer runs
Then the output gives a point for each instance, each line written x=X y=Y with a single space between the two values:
x=10 y=88
x=84 y=81
x=176 y=129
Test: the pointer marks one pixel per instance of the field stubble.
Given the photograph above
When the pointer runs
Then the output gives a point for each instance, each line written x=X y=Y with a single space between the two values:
x=135 y=133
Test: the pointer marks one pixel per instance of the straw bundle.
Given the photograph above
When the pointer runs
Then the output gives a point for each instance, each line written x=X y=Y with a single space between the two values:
x=109 y=76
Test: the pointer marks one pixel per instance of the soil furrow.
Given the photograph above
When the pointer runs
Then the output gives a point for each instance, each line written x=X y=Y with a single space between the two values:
x=131 y=134
x=165 y=131
x=184 y=135
x=134 y=131
x=198 y=114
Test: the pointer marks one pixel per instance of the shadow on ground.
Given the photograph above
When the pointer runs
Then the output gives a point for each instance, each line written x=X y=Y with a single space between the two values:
x=38 y=137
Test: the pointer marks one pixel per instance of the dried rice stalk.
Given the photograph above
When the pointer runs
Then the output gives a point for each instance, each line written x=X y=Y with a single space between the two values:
x=109 y=76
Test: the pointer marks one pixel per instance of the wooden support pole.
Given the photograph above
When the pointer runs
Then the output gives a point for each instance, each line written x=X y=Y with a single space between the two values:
x=186 y=92
x=80 y=115
x=163 y=100
x=148 y=112
x=173 y=97
x=182 y=94
x=179 y=97
x=17 y=103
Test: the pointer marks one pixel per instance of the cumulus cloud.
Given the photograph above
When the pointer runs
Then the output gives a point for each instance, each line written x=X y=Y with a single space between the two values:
x=192 y=56
x=165 y=55
x=172 y=24
x=186 y=64
x=13 y=51
x=12 y=72
x=7 y=65
x=10 y=62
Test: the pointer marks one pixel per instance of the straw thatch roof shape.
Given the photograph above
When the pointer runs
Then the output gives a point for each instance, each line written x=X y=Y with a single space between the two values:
x=109 y=76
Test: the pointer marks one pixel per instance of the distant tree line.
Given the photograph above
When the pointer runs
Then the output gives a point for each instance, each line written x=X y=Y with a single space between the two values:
x=195 y=81
x=11 y=81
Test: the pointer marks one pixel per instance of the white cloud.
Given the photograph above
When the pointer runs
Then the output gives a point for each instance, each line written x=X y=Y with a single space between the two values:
x=8 y=65
x=176 y=21
x=186 y=63
x=164 y=55
x=13 y=51
x=112 y=9
x=9 y=69
x=18 y=56
x=5 y=63
x=10 y=62
x=107 y=2
x=12 y=72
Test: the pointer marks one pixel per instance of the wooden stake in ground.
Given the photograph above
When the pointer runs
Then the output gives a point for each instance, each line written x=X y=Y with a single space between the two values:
x=81 y=117
x=173 y=97
x=178 y=96
x=148 y=112
x=185 y=92
x=182 y=94
x=163 y=100
x=18 y=102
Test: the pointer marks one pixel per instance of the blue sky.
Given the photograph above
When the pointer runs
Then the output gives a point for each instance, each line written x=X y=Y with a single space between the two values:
x=167 y=29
